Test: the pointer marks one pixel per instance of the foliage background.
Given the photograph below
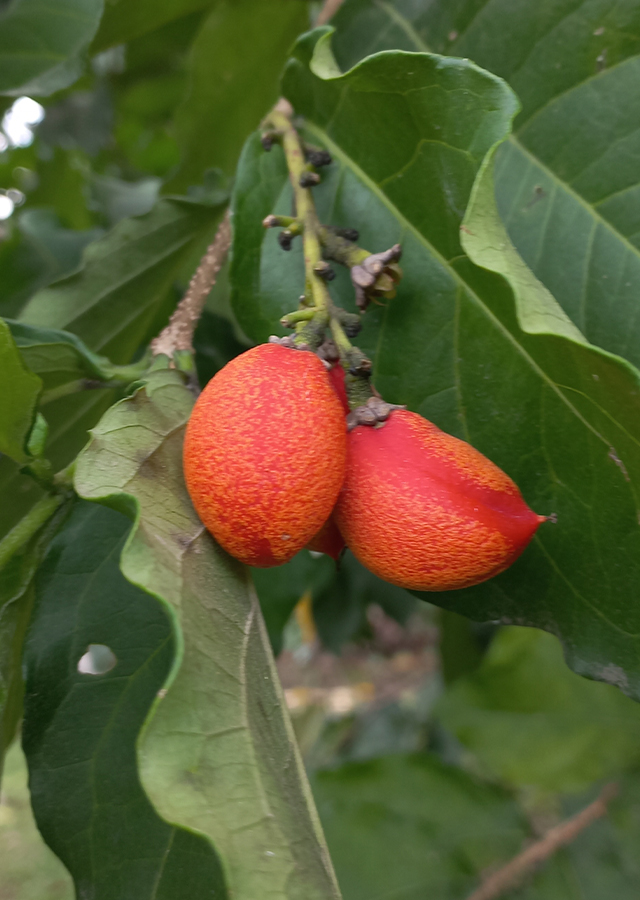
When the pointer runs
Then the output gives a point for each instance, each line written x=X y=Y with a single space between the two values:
x=147 y=106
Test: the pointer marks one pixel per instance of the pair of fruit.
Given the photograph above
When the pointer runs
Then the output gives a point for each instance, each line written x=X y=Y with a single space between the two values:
x=268 y=461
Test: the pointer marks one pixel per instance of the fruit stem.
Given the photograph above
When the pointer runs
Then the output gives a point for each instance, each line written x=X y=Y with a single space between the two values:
x=340 y=339
x=280 y=119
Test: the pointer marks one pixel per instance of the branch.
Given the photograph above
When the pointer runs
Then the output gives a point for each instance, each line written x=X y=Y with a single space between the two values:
x=178 y=334
x=329 y=9
x=512 y=873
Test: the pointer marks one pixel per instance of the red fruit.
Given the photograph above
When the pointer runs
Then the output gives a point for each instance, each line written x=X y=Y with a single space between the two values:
x=264 y=453
x=328 y=540
x=427 y=511
x=337 y=376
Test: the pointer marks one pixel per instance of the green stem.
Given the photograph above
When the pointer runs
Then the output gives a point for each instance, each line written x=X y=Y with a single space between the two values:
x=305 y=210
x=28 y=526
x=298 y=315
x=340 y=249
x=340 y=339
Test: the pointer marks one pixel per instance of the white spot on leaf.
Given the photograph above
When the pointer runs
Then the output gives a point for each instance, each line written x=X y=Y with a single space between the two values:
x=98 y=660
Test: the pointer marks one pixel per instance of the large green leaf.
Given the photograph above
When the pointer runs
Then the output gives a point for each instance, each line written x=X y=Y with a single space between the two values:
x=567 y=179
x=234 y=66
x=60 y=358
x=40 y=43
x=218 y=754
x=491 y=359
x=69 y=419
x=18 y=397
x=126 y=279
x=530 y=721
x=123 y=21
x=81 y=725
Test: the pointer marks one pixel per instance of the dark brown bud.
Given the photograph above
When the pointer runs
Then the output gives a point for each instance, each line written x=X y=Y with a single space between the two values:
x=324 y=270
x=318 y=158
x=284 y=239
x=349 y=234
x=309 y=179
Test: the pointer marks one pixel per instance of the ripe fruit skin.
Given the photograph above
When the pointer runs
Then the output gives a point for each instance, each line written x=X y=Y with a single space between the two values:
x=328 y=540
x=337 y=376
x=426 y=511
x=264 y=453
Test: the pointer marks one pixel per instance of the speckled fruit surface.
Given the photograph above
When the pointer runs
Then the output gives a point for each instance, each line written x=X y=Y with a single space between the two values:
x=337 y=376
x=427 y=511
x=264 y=453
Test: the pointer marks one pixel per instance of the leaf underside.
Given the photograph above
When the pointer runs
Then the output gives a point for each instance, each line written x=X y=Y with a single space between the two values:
x=217 y=755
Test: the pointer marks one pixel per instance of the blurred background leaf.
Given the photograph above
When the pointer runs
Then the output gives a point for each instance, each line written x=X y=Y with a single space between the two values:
x=123 y=21
x=41 y=42
x=18 y=398
x=528 y=720
x=232 y=88
x=124 y=292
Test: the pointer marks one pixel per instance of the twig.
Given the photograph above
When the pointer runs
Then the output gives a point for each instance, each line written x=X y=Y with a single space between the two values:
x=510 y=874
x=281 y=119
x=178 y=334
x=329 y=9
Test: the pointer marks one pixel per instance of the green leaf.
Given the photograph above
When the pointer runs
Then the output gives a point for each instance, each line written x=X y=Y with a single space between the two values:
x=409 y=827
x=60 y=357
x=41 y=42
x=20 y=554
x=234 y=65
x=18 y=397
x=16 y=601
x=126 y=279
x=81 y=725
x=567 y=179
x=495 y=362
x=529 y=720
x=123 y=21
x=218 y=755
x=30 y=870
x=69 y=419
x=37 y=250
